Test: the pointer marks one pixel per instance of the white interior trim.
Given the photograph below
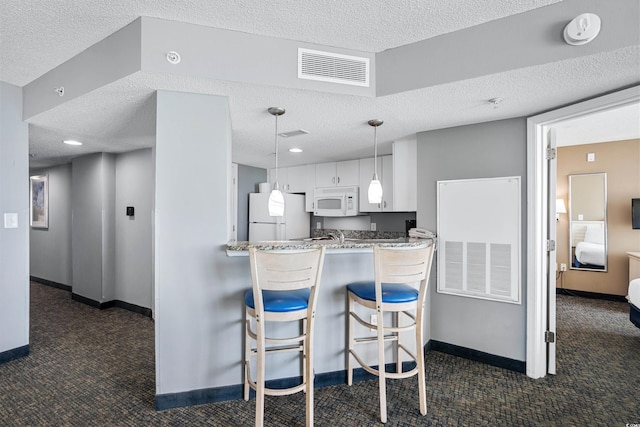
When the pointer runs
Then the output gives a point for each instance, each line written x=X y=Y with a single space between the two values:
x=537 y=181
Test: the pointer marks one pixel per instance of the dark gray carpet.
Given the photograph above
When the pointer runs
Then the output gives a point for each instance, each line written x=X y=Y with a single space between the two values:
x=93 y=367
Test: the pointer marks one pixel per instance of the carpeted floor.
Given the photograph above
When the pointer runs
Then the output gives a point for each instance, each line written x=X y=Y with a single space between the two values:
x=89 y=368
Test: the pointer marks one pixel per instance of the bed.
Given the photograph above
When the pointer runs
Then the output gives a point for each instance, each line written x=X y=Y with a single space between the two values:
x=590 y=248
x=634 y=302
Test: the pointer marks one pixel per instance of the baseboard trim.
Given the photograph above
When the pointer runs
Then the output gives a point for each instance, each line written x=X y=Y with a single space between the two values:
x=14 y=353
x=594 y=295
x=235 y=392
x=113 y=303
x=50 y=283
x=132 y=307
x=478 y=356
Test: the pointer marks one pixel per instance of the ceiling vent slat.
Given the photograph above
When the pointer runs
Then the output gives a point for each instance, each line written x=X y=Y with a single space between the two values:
x=333 y=67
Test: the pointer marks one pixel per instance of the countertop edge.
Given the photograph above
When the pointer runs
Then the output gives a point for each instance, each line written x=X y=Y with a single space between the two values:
x=240 y=248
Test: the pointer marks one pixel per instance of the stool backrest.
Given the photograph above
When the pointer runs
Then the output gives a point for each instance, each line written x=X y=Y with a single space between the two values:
x=286 y=270
x=403 y=265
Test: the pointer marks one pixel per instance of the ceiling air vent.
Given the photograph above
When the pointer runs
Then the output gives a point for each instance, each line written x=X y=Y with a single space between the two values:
x=333 y=67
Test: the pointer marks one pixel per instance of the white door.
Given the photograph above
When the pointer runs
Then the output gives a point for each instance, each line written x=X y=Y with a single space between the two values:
x=551 y=277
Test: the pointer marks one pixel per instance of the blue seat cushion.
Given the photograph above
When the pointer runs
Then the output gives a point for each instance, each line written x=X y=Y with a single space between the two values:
x=280 y=301
x=391 y=292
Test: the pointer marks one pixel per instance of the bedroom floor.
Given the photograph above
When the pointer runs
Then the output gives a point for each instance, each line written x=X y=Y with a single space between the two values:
x=96 y=367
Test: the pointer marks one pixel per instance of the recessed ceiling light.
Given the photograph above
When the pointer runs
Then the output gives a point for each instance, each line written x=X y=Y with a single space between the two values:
x=295 y=150
x=71 y=142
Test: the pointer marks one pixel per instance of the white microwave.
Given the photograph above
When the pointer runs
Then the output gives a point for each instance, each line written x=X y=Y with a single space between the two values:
x=336 y=201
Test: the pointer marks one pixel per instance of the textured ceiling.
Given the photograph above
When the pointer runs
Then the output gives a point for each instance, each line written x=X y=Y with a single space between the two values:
x=44 y=33
x=121 y=116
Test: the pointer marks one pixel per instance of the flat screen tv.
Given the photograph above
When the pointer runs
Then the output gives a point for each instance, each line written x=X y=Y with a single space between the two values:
x=635 y=214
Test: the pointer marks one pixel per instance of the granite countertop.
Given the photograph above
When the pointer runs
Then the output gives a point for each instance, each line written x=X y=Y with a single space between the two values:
x=350 y=245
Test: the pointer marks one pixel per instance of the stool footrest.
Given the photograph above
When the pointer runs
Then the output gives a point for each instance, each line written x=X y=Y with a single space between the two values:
x=279 y=349
x=368 y=340
x=279 y=391
x=376 y=372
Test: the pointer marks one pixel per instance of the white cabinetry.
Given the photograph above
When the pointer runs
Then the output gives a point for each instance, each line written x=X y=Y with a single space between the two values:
x=385 y=175
x=310 y=173
x=405 y=175
x=337 y=174
x=291 y=180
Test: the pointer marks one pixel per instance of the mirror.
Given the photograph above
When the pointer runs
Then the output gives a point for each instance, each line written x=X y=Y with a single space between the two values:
x=588 y=221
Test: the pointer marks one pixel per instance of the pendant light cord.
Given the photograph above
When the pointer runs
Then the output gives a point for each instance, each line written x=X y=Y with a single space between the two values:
x=375 y=152
x=276 y=182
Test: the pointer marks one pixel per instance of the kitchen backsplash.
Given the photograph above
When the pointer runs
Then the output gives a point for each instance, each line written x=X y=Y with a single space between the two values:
x=360 y=234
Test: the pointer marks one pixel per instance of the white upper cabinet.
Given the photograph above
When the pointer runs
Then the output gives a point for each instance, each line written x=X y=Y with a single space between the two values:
x=385 y=175
x=338 y=174
x=291 y=180
x=310 y=173
x=282 y=178
x=297 y=179
x=405 y=175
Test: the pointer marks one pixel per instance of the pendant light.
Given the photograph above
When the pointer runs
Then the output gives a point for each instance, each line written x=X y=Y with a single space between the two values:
x=375 y=188
x=276 y=199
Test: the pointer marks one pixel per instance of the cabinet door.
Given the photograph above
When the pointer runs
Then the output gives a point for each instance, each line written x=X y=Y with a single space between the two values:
x=326 y=174
x=282 y=178
x=310 y=172
x=387 y=183
x=347 y=173
x=405 y=175
x=297 y=179
x=365 y=176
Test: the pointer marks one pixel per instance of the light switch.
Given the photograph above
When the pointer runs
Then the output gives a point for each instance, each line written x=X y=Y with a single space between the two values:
x=580 y=217
x=591 y=157
x=11 y=220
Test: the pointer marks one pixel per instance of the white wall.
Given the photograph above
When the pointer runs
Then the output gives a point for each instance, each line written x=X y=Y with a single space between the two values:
x=134 y=187
x=14 y=242
x=50 y=249
x=92 y=231
x=193 y=157
x=482 y=150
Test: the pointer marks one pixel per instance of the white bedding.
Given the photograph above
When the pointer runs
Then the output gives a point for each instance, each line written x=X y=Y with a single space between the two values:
x=590 y=253
x=634 y=292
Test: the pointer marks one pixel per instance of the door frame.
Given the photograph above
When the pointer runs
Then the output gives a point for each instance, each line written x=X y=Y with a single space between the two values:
x=538 y=179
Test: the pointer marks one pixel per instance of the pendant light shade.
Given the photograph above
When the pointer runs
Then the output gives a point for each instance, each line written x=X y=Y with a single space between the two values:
x=375 y=187
x=375 y=190
x=276 y=199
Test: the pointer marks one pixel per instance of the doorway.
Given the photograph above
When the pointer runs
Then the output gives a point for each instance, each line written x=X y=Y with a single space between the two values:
x=540 y=354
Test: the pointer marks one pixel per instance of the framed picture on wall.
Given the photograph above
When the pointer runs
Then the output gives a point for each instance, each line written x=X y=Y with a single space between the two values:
x=39 y=201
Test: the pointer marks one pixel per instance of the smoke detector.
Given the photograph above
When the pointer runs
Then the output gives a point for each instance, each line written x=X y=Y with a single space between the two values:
x=582 y=29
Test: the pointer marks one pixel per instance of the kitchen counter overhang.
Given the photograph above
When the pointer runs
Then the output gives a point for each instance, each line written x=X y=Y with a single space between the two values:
x=351 y=246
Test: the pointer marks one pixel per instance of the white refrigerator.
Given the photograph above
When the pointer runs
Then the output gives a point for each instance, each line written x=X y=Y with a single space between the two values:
x=294 y=225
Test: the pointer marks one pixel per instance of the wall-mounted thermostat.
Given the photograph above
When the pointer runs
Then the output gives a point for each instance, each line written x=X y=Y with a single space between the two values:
x=130 y=211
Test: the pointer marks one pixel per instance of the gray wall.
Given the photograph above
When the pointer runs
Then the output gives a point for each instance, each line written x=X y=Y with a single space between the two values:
x=192 y=280
x=50 y=249
x=93 y=226
x=134 y=187
x=248 y=178
x=483 y=150
x=14 y=242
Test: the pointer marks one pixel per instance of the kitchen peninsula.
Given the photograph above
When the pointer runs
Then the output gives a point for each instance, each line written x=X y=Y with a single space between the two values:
x=346 y=261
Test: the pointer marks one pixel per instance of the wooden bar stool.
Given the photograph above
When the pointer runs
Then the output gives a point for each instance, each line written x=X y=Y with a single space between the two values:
x=285 y=288
x=395 y=270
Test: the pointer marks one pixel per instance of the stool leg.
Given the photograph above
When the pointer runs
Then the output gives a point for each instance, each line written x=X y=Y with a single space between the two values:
x=304 y=351
x=422 y=392
x=247 y=355
x=308 y=367
x=396 y=319
x=381 y=368
x=350 y=305
x=260 y=375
